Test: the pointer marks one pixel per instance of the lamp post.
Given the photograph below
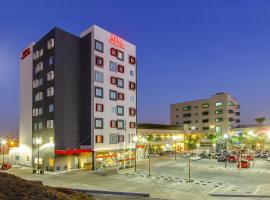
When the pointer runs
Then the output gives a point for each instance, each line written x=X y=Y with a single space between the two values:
x=226 y=136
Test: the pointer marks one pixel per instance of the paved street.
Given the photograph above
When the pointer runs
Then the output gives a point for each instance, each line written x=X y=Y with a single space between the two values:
x=169 y=179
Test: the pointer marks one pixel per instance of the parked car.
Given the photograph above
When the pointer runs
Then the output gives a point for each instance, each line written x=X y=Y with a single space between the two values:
x=6 y=166
x=244 y=164
x=221 y=159
x=167 y=153
x=250 y=157
x=185 y=155
x=264 y=155
x=195 y=157
x=232 y=158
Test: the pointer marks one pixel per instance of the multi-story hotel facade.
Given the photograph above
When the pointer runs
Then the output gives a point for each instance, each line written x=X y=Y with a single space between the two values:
x=219 y=113
x=83 y=101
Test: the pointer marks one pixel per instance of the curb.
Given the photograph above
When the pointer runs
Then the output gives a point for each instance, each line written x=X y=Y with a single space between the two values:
x=239 y=195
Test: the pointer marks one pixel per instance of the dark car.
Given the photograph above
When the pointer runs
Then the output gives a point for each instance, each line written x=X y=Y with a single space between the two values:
x=6 y=166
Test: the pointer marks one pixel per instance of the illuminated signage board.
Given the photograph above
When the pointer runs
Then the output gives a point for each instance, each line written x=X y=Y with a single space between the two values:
x=25 y=53
x=117 y=41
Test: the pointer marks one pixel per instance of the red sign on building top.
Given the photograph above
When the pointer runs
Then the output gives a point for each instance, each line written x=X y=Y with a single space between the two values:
x=25 y=53
x=117 y=41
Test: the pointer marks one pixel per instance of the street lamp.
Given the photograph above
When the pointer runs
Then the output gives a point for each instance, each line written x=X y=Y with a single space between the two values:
x=3 y=142
x=135 y=139
x=226 y=136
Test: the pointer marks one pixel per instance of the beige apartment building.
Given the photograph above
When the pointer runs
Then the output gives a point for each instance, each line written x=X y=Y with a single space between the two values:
x=219 y=113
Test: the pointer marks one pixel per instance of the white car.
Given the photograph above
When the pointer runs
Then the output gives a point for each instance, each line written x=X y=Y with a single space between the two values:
x=195 y=157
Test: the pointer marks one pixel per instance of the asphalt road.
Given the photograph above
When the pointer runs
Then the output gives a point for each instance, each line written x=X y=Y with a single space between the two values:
x=168 y=179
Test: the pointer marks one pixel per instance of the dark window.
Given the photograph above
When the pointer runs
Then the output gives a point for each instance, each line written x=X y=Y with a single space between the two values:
x=205 y=113
x=121 y=138
x=187 y=115
x=237 y=113
x=99 y=61
x=205 y=120
x=132 y=85
x=121 y=96
x=205 y=128
x=230 y=111
x=186 y=122
x=132 y=60
x=99 y=46
x=237 y=120
x=99 y=138
x=113 y=52
x=132 y=125
x=121 y=68
x=231 y=119
x=132 y=111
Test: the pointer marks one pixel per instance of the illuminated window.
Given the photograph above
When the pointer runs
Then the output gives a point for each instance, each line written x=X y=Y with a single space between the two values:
x=40 y=111
x=121 y=68
x=113 y=80
x=98 y=123
x=35 y=112
x=230 y=103
x=99 y=61
x=99 y=138
x=99 y=107
x=220 y=103
x=113 y=124
x=35 y=83
x=187 y=108
x=121 y=96
x=132 y=111
x=49 y=123
x=121 y=138
x=219 y=119
x=132 y=85
x=120 y=110
x=98 y=92
x=40 y=53
x=205 y=105
x=120 y=124
x=219 y=112
x=40 y=125
x=50 y=91
x=98 y=76
x=51 y=108
x=50 y=44
x=50 y=75
x=120 y=82
x=113 y=138
x=132 y=125
x=39 y=67
x=39 y=96
x=113 y=66
x=99 y=46
x=132 y=60
x=51 y=60
x=113 y=95
x=218 y=129
x=120 y=55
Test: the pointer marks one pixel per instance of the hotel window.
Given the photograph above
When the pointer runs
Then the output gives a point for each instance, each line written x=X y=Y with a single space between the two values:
x=40 y=81
x=113 y=138
x=40 y=125
x=132 y=60
x=121 y=68
x=120 y=110
x=50 y=75
x=35 y=55
x=237 y=120
x=120 y=82
x=99 y=46
x=113 y=124
x=121 y=96
x=40 y=53
x=98 y=123
x=113 y=109
x=120 y=124
x=231 y=119
x=35 y=112
x=49 y=123
x=230 y=111
x=99 y=138
x=132 y=125
x=35 y=83
x=99 y=107
x=40 y=111
x=113 y=52
x=218 y=129
x=113 y=95
x=219 y=112
x=98 y=92
x=205 y=120
x=50 y=92
x=186 y=122
x=113 y=66
x=219 y=119
x=132 y=85
x=51 y=108
x=205 y=128
x=36 y=126
x=120 y=55
x=39 y=96
x=220 y=103
x=230 y=103
x=132 y=73
x=205 y=105
x=132 y=111
x=187 y=115
x=121 y=138
x=39 y=67
x=99 y=77
x=50 y=44
x=51 y=60
x=205 y=113
x=99 y=61
x=113 y=80
x=237 y=113
x=187 y=108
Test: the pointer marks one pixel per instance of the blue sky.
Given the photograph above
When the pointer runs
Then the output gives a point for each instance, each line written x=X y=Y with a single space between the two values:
x=186 y=49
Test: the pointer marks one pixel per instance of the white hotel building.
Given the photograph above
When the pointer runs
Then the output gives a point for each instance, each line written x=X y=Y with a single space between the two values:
x=78 y=98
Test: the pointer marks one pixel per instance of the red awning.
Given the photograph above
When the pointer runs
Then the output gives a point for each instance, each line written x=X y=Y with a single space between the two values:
x=71 y=151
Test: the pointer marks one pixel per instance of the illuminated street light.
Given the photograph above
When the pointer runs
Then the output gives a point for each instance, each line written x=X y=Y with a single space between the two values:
x=250 y=133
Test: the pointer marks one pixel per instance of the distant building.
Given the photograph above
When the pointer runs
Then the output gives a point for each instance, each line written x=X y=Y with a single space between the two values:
x=219 y=112
x=78 y=100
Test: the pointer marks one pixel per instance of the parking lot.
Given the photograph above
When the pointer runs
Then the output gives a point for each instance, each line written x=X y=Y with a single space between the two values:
x=168 y=179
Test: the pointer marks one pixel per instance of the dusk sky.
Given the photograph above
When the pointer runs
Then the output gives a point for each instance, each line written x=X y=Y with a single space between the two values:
x=186 y=49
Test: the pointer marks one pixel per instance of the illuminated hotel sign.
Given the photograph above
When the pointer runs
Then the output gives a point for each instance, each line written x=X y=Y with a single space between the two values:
x=25 y=53
x=117 y=41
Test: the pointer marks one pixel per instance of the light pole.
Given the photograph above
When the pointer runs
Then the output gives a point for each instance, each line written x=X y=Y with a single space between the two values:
x=226 y=136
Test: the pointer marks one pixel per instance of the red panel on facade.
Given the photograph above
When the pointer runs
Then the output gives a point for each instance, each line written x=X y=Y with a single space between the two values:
x=71 y=151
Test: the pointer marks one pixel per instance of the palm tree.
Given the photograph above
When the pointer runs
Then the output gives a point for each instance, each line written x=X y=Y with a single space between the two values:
x=213 y=139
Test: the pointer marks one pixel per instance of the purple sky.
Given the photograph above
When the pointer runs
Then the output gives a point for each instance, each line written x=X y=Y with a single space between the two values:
x=186 y=49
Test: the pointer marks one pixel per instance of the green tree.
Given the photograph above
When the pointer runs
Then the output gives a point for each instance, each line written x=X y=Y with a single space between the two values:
x=260 y=120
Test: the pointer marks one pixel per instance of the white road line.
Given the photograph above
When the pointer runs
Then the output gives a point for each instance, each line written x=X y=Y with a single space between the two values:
x=257 y=189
